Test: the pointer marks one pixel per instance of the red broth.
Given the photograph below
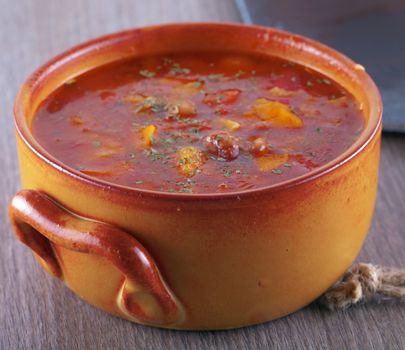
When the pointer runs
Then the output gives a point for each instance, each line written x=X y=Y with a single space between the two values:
x=198 y=123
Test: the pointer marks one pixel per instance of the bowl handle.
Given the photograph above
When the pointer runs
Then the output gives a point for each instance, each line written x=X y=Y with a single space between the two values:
x=39 y=222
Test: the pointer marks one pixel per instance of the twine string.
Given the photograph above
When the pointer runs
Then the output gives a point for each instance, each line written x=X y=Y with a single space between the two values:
x=362 y=282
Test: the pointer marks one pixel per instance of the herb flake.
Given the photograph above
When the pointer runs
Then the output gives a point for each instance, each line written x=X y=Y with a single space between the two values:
x=147 y=73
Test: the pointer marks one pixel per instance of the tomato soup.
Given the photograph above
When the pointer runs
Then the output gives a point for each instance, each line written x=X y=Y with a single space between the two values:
x=198 y=123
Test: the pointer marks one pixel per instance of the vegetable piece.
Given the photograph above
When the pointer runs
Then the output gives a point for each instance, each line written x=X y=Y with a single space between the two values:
x=107 y=148
x=276 y=113
x=183 y=108
x=143 y=104
x=134 y=99
x=221 y=97
x=147 y=135
x=339 y=102
x=76 y=120
x=189 y=89
x=259 y=147
x=222 y=144
x=189 y=160
x=280 y=92
x=231 y=125
x=271 y=161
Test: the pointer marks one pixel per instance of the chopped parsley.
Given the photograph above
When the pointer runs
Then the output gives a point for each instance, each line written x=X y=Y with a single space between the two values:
x=147 y=73
x=196 y=84
x=277 y=171
x=185 y=190
x=220 y=159
x=176 y=69
x=226 y=172
x=214 y=77
x=153 y=154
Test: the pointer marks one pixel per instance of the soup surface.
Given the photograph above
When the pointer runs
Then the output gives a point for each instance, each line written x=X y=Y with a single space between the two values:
x=198 y=123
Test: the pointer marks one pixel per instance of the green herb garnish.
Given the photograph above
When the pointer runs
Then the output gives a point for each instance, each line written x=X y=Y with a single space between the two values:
x=185 y=190
x=147 y=73
x=214 y=77
x=226 y=172
x=176 y=69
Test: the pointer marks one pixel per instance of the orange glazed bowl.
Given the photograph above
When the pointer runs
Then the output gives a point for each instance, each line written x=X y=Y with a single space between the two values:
x=197 y=261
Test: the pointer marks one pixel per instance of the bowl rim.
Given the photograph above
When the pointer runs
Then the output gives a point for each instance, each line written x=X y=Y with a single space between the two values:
x=364 y=138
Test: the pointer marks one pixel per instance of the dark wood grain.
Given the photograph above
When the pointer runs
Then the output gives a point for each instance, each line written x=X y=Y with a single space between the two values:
x=38 y=312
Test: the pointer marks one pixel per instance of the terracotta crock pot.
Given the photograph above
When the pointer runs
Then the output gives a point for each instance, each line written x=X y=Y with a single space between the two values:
x=196 y=261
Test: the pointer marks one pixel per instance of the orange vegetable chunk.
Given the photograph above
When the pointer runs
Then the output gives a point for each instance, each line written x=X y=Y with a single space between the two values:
x=147 y=134
x=276 y=113
x=271 y=161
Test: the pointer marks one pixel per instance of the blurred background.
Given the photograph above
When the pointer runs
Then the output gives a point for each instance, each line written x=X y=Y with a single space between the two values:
x=371 y=32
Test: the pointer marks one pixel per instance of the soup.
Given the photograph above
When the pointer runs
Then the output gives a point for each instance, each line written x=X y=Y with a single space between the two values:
x=198 y=123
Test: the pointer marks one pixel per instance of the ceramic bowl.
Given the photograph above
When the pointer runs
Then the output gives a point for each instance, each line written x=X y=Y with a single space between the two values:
x=196 y=261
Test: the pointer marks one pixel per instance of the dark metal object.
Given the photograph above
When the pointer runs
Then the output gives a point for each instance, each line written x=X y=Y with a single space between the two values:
x=371 y=32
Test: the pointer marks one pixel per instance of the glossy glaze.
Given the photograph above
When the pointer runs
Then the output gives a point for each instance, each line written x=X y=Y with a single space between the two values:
x=229 y=259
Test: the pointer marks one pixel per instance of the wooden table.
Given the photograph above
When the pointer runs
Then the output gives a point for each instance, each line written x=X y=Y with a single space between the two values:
x=38 y=312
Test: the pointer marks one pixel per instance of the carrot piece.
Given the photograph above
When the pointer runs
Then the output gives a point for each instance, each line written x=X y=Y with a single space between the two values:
x=148 y=133
x=231 y=125
x=271 y=161
x=134 y=99
x=276 y=113
x=108 y=149
x=280 y=92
